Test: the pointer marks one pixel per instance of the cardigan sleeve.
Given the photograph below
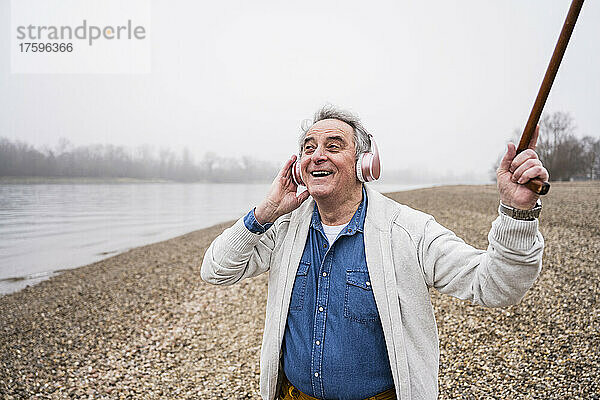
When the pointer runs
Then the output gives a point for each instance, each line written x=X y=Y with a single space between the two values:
x=236 y=254
x=496 y=277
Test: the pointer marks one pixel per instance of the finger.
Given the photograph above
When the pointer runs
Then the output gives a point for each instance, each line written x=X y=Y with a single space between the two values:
x=532 y=162
x=302 y=197
x=534 y=172
x=521 y=158
x=533 y=142
x=286 y=171
x=544 y=175
x=508 y=157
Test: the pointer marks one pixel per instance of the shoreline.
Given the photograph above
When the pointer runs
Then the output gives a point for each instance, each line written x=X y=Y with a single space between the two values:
x=51 y=180
x=40 y=180
x=36 y=272
x=143 y=324
x=36 y=180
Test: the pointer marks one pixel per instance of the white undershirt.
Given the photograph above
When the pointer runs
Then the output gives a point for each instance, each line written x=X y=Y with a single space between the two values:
x=332 y=231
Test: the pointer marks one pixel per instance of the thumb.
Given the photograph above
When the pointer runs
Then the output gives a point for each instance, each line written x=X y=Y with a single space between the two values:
x=302 y=197
x=511 y=152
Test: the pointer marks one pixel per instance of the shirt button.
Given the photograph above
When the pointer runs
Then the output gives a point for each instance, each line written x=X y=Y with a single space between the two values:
x=324 y=245
x=321 y=309
x=368 y=283
x=349 y=230
x=324 y=273
x=317 y=374
x=318 y=342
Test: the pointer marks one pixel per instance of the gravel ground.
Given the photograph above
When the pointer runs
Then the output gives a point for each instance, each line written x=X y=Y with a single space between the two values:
x=143 y=325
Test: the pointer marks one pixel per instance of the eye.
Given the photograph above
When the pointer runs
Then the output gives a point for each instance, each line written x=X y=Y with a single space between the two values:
x=333 y=146
x=309 y=148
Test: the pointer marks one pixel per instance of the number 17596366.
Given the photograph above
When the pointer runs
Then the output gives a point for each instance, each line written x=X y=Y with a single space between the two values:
x=46 y=47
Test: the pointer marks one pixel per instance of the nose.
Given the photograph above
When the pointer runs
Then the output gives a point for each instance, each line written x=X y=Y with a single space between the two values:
x=318 y=156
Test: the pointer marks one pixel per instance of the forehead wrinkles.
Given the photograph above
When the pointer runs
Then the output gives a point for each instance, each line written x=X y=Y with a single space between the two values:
x=316 y=131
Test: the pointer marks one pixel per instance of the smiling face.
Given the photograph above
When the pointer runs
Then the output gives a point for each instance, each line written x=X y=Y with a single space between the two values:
x=328 y=161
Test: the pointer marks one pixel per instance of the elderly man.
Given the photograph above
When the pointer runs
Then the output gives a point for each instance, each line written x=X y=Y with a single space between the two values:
x=348 y=309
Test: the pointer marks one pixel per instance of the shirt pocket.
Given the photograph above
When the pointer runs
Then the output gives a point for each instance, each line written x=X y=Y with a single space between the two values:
x=359 y=303
x=299 y=289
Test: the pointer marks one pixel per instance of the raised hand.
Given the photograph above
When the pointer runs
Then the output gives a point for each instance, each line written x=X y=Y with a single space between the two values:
x=281 y=198
x=516 y=169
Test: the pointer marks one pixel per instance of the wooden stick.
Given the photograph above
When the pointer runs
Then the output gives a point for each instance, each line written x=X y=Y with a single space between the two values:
x=537 y=185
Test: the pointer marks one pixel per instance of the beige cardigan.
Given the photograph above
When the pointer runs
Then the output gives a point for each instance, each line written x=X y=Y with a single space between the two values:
x=407 y=252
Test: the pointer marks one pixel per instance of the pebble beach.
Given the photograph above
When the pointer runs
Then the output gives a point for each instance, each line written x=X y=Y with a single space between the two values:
x=143 y=325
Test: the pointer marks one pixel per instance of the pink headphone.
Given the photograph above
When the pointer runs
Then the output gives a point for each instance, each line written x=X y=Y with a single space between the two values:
x=368 y=166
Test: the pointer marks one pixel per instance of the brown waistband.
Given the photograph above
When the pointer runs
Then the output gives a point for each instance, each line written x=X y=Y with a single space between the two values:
x=288 y=389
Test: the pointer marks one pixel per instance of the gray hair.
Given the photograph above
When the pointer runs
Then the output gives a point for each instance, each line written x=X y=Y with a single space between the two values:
x=362 y=142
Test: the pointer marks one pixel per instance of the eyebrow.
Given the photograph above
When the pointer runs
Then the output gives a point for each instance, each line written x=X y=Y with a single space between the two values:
x=337 y=138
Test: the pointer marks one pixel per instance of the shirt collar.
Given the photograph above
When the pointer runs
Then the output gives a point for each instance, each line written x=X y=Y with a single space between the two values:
x=357 y=223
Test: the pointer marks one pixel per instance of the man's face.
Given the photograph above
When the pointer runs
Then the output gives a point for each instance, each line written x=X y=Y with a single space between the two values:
x=328 y=160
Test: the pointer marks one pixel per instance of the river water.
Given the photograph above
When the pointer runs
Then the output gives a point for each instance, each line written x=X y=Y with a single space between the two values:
x=46 y=228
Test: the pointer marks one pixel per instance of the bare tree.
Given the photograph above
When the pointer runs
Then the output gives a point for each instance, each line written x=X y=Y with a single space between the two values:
x=591 y=148
x=558 y=148
x=563 y=154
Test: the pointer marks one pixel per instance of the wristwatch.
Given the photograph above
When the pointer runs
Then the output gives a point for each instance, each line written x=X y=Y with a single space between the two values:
x=524 y=215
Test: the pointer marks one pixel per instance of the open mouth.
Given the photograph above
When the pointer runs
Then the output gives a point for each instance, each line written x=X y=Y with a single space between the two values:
x=320 y=174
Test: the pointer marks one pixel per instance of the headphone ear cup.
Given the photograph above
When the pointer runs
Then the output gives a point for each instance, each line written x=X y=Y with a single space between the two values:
x=359 y=168
x=367 y=170
x=296 y=175
x=368 y=166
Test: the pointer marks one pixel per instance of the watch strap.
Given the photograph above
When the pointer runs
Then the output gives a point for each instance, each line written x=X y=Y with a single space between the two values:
x=523 y=215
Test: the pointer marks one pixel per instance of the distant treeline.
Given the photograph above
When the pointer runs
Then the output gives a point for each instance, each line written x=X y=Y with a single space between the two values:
x=565 y=156
x=20 y=159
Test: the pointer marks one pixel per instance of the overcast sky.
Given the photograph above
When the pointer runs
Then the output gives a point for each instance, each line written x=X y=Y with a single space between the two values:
x=440 y=84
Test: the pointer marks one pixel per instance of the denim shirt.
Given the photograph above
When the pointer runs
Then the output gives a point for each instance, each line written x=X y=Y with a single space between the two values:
x=333 y=346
